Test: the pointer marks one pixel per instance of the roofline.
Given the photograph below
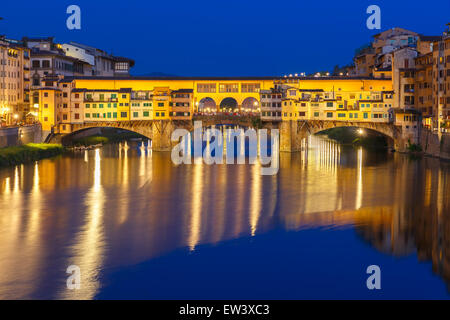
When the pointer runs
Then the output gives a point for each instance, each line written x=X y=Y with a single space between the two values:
x=239 y=78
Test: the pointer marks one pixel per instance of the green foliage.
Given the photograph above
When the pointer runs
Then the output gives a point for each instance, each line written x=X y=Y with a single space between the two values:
x=257 y=123
x=27 y=153
x=412 y=147
x=88 y=141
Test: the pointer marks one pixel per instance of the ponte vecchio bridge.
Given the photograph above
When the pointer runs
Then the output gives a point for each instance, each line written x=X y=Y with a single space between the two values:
x=297 y=107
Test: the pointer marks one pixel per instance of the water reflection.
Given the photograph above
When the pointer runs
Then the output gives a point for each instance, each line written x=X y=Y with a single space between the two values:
x=121 y=205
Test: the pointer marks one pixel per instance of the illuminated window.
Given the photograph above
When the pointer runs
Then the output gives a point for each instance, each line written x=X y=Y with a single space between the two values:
x=250 y=87
x=228 y=87
x=206 y=87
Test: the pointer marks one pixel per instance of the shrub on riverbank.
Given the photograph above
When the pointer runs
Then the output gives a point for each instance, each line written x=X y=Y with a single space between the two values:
x=27 y=153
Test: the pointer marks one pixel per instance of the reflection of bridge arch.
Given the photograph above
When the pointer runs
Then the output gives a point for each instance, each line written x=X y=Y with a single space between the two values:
x=250 y=104
x=229 y=105
x=207 y=105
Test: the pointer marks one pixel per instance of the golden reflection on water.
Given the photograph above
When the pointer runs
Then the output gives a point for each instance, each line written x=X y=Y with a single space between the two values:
x=87 y=251
x=196 y=210
x=119 y=206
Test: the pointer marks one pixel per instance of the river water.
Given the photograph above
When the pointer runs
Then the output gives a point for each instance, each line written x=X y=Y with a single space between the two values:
x=138 y=226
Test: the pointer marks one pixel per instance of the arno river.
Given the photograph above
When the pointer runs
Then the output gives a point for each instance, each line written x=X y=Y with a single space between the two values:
x=140 y=227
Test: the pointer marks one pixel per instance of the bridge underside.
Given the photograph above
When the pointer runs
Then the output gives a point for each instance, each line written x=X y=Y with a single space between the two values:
x=292 y=133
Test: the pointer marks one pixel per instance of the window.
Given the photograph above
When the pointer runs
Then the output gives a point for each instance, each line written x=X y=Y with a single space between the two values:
x=77 y=116
x=146 y=114
x=160 y=104
x=329 y=114
x=121 y=66
x=329 y=104
x=228 y=87
x=88 y=115
x=316 y=114
x=135 y=114
x=123 y=114
x=341 y=115
x=250 y=87
x=206 y=87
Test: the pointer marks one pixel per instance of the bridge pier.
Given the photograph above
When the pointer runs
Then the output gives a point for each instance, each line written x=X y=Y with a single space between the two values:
x=291 y=136
x=161 y=135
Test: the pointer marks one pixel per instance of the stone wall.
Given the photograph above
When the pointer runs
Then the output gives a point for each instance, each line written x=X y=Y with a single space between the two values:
x=431 y=145
x=16 y=136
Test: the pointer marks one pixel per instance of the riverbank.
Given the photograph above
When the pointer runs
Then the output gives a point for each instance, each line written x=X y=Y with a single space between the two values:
x=29 y=152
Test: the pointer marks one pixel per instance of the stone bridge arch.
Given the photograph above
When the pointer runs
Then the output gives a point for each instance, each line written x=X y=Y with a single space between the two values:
x=386 y=129
x=142 y=127
x=292 y=133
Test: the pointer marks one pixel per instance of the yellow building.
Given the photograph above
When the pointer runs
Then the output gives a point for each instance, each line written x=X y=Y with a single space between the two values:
x=50 y=101
x=342 y=99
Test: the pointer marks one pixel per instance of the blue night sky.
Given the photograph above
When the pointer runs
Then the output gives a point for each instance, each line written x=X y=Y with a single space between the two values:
x=223 y=38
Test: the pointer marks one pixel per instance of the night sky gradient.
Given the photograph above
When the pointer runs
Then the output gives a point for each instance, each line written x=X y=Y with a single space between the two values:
x=223 y=38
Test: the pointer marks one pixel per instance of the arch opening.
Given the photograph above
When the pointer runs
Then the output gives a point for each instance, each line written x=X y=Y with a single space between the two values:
x=102 y=135
x=229 y=106
x=206 y=105
x=250 y=105
x=356 y=135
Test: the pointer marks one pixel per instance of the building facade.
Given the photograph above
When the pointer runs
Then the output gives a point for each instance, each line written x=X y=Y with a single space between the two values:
x=14 y=82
